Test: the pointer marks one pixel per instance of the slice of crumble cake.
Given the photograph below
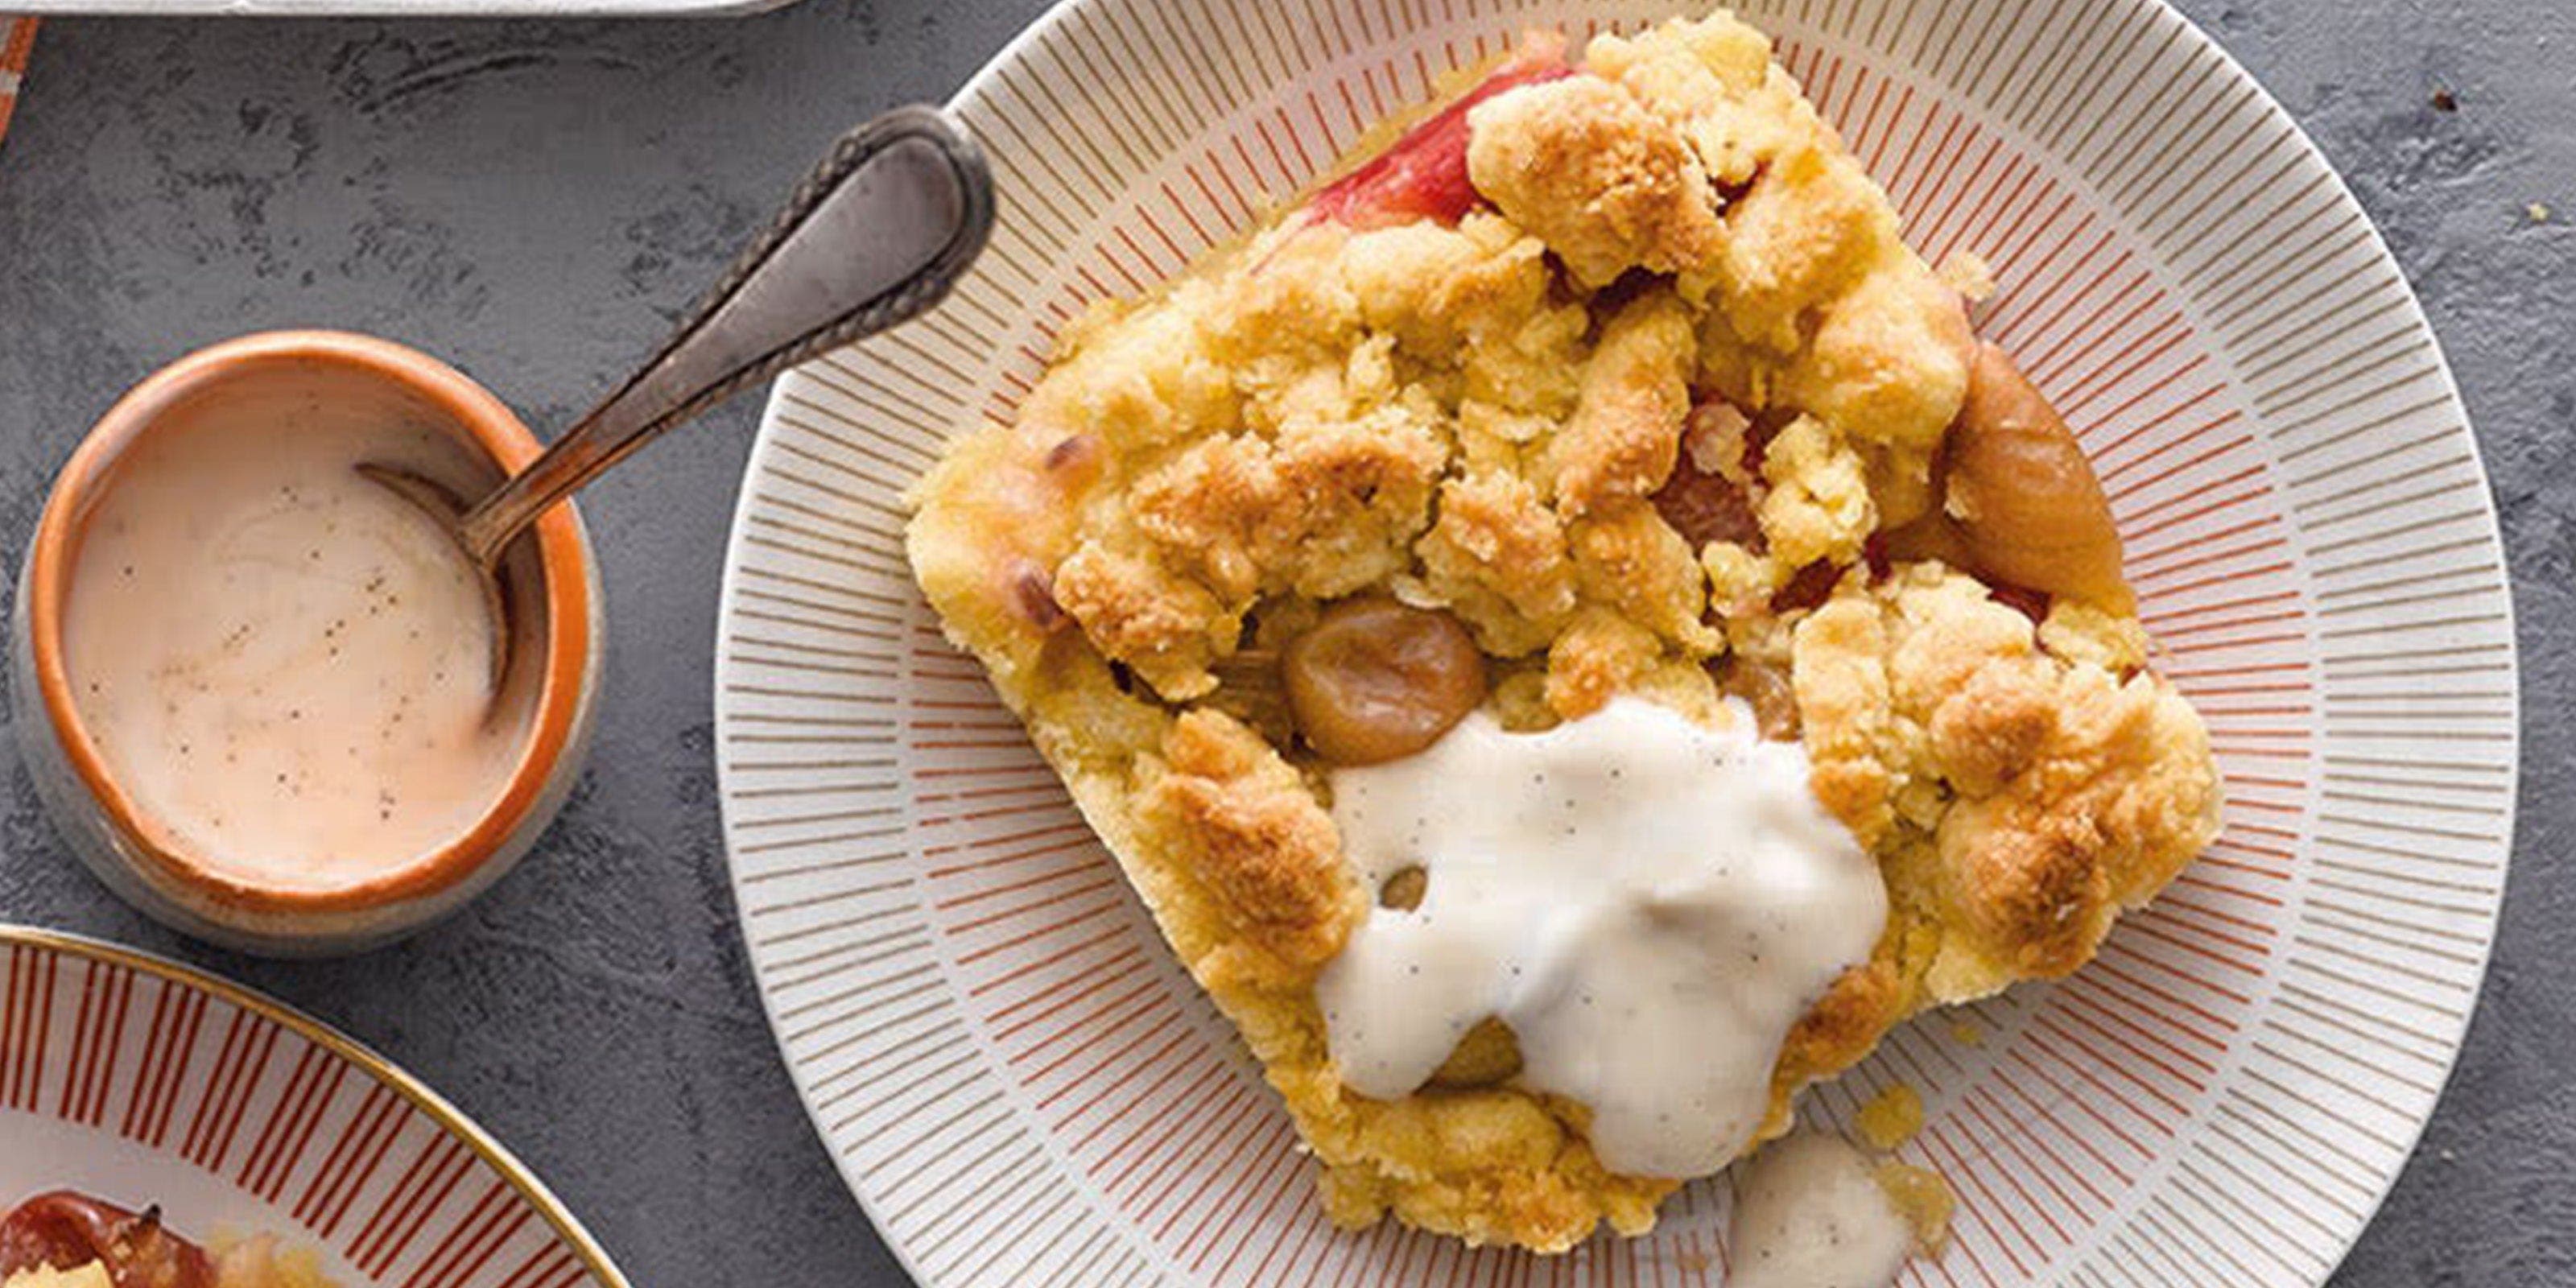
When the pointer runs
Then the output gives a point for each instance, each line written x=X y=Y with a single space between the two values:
x=1593 y=444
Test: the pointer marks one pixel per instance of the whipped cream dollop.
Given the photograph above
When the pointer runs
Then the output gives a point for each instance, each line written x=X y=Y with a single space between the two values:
x=1648 y=903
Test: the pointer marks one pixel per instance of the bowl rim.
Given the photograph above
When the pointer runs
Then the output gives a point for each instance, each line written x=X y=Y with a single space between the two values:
x=487 y=425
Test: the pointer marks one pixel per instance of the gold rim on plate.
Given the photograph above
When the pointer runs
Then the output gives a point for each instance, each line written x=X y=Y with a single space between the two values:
x=392 y=1076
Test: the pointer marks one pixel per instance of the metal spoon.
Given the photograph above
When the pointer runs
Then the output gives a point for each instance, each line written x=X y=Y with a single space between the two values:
x=874 y=237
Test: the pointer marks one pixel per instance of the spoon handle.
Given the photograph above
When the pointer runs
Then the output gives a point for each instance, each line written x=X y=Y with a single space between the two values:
x=875 y=236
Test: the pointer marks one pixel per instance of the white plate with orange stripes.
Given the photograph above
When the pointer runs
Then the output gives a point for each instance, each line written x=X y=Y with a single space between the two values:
x=140 y=1081
x=1023 y=1088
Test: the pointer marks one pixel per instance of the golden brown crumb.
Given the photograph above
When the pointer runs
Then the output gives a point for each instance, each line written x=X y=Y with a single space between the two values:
x=1498 y=556
x=1967 y=273
x=1258 y=838
x=1590 y=171
x=1993 y=728
x=1597 y=658
x=1923 y=1199
x=1817 y=505
x=1627 y=427
x=1891 y=1117
x=2065 y=792
x=1629 y=559
x=1136 y=611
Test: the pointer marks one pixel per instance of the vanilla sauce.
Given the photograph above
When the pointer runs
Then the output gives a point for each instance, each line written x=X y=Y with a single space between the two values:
x=285 y=665
x=1810 y=1214
x=1649 y=905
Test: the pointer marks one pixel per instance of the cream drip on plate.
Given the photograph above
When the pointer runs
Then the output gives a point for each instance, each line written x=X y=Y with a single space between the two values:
x=1809 y=1213
x=1649 y=904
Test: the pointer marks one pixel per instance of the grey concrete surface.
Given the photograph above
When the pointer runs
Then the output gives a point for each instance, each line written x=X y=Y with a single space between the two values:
x=534 y=201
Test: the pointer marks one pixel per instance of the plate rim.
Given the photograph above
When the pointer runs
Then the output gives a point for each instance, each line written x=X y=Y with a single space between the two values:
x=737 y=530
x=2414 y=315
x=976 y=87
x=391 y=1076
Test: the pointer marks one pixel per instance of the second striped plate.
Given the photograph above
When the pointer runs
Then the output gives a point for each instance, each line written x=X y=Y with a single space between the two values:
x=141 y=1081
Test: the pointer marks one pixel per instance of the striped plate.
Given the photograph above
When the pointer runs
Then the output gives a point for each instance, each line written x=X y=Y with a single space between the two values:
x=17 y=38
x=142 y=1081
x=1023 y=1088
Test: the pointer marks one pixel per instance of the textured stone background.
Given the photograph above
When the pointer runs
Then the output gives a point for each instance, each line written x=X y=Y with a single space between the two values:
x=533 y=201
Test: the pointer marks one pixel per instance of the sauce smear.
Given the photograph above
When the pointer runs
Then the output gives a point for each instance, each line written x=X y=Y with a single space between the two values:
x=1647 y=903
x=287 y=666
x=1810 y=1214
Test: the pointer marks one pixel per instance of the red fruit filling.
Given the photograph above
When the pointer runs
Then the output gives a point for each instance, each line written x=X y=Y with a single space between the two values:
x=1424 y=174
x=64 y=1231
x=1707 y=507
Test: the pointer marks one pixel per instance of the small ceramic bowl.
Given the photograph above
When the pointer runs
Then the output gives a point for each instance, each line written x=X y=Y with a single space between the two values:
x=560 y=643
